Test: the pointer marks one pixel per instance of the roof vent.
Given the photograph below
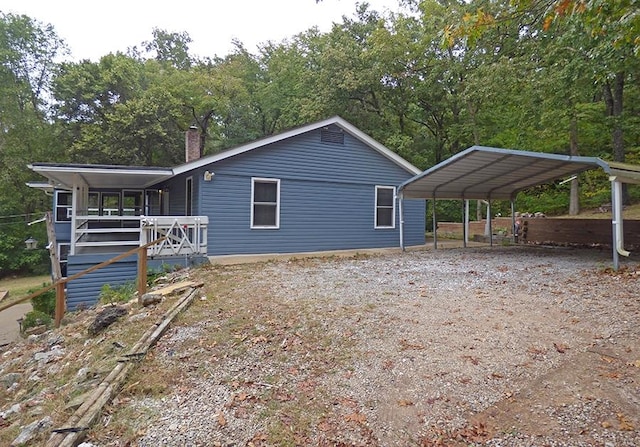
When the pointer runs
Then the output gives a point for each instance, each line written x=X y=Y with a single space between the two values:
x=332 y=134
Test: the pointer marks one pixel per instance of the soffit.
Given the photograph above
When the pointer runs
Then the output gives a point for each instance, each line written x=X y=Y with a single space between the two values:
x=101 y=176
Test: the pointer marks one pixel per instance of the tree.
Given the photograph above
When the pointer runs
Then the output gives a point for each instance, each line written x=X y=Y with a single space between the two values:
x=28 y=50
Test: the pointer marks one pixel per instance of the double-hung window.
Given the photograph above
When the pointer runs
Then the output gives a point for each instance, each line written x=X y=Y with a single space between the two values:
x=385 y=207
x=63 y=206
x=265 y=203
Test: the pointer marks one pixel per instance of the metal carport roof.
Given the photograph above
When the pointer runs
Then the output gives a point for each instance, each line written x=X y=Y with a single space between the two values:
x=491 y=173
x=482 y=172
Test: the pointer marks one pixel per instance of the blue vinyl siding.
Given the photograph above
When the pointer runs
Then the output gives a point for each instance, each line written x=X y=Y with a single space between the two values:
x=327 y=198
x=85 y=291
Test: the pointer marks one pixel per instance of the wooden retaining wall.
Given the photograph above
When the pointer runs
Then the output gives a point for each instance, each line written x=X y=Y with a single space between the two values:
x=553 y=231
x=578 y=231
x=449 y=229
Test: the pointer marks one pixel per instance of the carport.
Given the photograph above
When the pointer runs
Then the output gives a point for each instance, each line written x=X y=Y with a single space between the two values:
x=489 y=173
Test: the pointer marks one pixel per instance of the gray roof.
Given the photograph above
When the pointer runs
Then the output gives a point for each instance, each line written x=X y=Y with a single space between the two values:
x=492 y=173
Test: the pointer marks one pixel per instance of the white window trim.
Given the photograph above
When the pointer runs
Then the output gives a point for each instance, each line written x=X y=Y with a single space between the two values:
x=265 y=180
x=68 y=207
x=393 y=209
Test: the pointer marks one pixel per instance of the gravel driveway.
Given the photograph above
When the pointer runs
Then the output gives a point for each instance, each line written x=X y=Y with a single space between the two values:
x=508 y=346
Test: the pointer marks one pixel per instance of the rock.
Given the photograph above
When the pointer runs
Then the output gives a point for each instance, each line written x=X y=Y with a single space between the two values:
x=15 y=408
x=9 y=379
x=86 y=444
x=105 y=319
x=138 y=317
x=45 y=357
x=82 y=375
x=149 y=298
x=56 y=339
x=31 y=431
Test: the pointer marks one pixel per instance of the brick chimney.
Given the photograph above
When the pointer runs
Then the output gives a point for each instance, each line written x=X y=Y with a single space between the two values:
x=192 y=144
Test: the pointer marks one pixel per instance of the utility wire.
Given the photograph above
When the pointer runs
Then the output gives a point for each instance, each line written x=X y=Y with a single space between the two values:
x=22 y=215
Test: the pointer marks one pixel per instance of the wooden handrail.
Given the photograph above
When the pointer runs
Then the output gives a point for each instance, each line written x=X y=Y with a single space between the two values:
x=59 y=285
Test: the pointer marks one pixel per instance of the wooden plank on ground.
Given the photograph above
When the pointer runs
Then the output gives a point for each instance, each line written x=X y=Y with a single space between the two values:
x=175 y=288
x=3 y=294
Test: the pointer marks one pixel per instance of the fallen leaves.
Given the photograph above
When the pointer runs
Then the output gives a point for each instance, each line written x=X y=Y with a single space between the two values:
x=560 y=348
x=405 y=345
x=356 y=417
x=624 y=423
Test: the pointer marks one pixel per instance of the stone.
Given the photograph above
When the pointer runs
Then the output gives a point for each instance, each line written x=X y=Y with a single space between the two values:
x=15 y=409
x=149 y=298
x=46 y=357
x=31 y=431
x=82 y=374
x=106 y=318
x=9 y=379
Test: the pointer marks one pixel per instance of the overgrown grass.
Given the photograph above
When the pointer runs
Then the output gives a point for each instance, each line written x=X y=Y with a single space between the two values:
x=20 y=287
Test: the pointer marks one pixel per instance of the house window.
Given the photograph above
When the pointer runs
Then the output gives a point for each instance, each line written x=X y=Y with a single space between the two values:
x=63 y=254
x=265 y=203
x=385 y=207
x=110 y=204
x=63 y=206
x=132 y=203
x=188 y=211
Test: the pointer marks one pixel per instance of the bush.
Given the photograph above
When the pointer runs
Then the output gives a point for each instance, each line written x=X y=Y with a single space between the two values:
x=35 y=318
x=117 y=294
x=45 y=303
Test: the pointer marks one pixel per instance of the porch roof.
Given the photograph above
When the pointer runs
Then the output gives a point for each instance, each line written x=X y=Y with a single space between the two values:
x=101 y=176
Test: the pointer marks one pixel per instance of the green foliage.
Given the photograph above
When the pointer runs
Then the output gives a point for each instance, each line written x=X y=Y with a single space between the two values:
x=117 y=294
x=15 y=259
x=45 y=303
x=36 y=318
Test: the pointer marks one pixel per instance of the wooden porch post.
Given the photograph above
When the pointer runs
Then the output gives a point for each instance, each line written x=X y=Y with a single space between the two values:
x=60 y=303
x=142 y=271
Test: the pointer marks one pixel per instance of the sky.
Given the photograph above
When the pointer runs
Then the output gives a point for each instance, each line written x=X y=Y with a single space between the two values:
x=94 y=28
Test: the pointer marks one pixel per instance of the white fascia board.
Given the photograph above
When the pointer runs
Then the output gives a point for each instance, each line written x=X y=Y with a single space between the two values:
x=102 y=170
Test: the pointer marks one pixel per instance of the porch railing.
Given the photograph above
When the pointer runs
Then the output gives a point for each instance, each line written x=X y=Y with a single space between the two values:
x=183 y=235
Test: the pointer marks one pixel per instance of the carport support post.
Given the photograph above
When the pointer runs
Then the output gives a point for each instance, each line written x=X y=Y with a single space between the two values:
x=513 y=220
x=465 y=226
x=616 y=214
x=435 y=225
x=489 y=223
x=401 y=214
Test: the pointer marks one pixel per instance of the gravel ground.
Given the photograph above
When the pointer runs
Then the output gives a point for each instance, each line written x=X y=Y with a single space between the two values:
x=508 y=346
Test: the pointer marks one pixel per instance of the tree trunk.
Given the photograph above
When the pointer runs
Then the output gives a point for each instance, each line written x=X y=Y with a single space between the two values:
x=613 y=100
x=574 y=197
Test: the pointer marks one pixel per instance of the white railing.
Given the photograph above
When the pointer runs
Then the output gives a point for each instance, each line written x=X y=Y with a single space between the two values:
x=185 y=235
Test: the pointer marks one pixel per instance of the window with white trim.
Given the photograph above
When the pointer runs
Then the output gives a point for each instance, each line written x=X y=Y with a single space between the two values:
x=265 y=203
x=63 y=254
x=385 y=207
x=63 y=206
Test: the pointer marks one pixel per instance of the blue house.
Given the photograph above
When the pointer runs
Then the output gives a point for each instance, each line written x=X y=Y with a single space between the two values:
x=323 y=186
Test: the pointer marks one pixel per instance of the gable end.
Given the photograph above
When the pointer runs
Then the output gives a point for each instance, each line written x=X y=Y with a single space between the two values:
x=332 y=134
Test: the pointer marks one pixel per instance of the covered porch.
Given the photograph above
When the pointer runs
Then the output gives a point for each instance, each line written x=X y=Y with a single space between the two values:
x=110 y=209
